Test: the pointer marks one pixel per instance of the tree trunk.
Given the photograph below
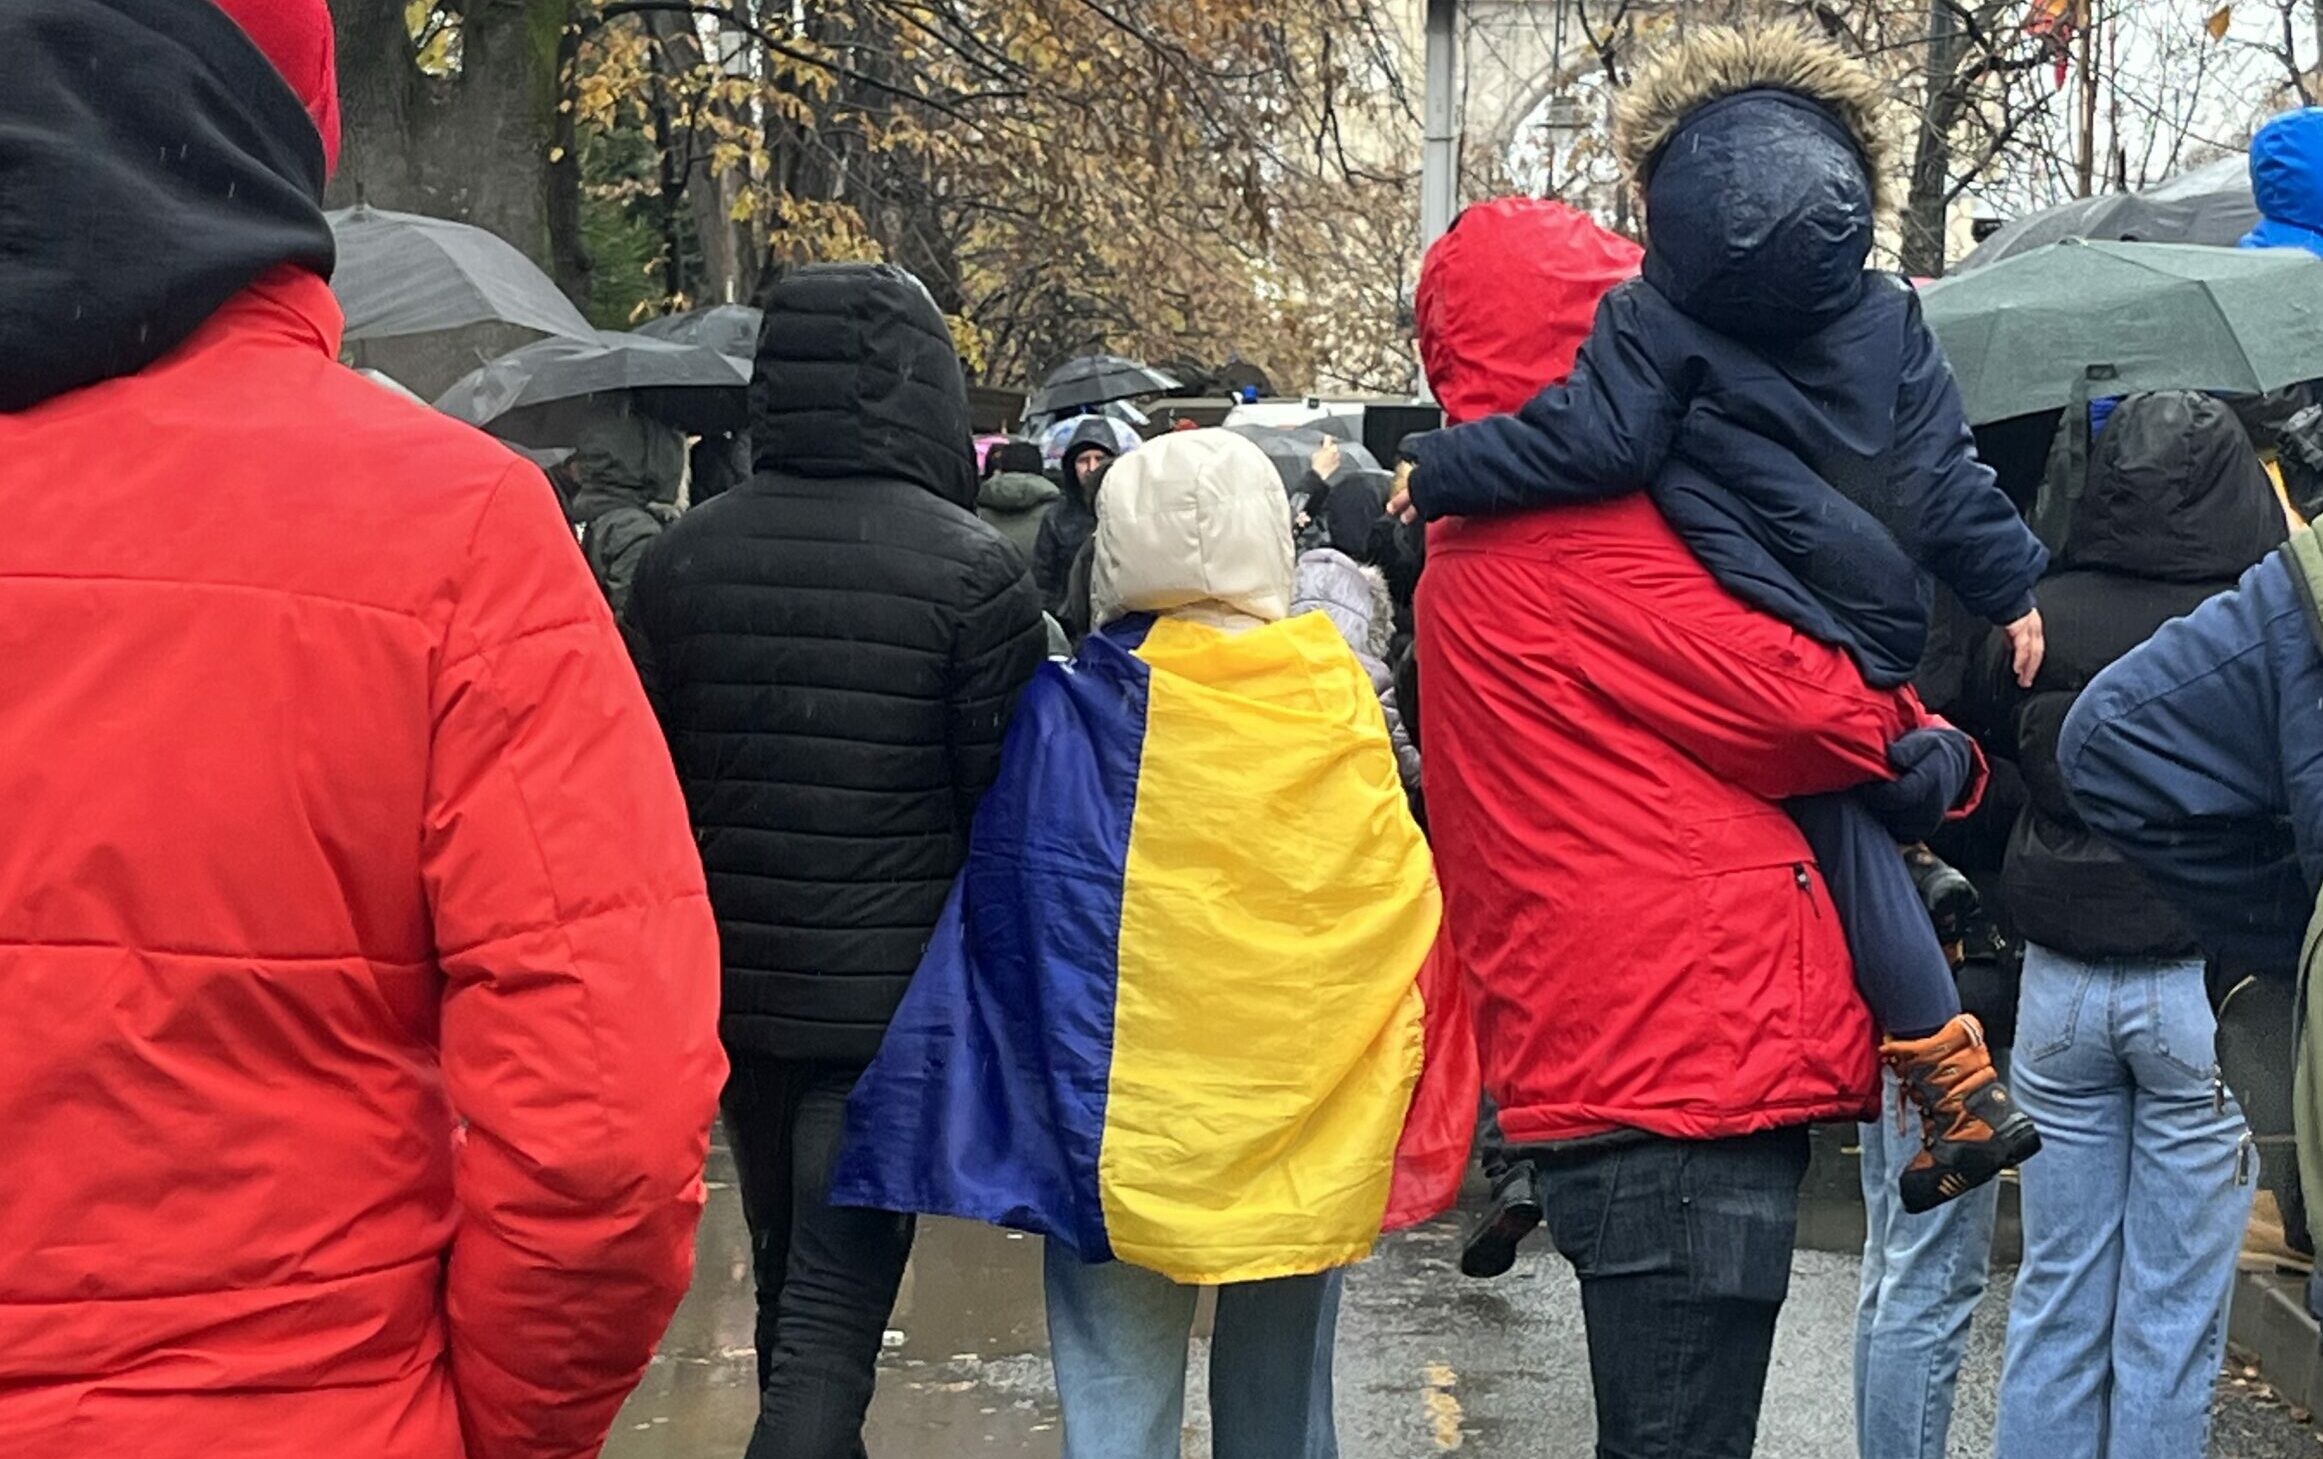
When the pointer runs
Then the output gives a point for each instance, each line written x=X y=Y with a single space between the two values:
x=1927 y=202
x=472 y=146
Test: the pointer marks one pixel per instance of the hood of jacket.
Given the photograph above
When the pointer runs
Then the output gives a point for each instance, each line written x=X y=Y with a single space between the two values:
x=2176 y=494
x=1505 y=299
x=1353 y=596
x=2286 y=180
x=155 y=164
x=1093 y=431
x=1016 y=491
x=1761 y=159
x=856 y=376
x=1194 y=520
x=625 y=461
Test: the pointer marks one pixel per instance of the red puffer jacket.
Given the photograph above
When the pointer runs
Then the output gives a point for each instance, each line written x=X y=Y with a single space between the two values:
x=357 y=988
x=1608 y=731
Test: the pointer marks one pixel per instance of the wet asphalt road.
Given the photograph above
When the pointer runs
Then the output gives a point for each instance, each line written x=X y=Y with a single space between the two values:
x=1429 y=1362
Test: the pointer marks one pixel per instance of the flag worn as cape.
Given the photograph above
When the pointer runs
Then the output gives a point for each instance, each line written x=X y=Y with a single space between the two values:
x=1184 y=1007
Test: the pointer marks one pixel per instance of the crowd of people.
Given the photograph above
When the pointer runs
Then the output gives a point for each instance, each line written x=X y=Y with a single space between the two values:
x=1146 y=855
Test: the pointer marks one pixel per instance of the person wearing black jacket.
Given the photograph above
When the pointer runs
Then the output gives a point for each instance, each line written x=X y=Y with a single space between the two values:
x=1065 y=533
x=2133 y=1218
x=835 y=647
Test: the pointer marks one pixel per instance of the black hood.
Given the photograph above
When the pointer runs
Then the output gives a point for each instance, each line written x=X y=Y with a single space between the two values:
x=2176 y=493
x=1093 y=431
x=153 y=164
x=1759 y=216
x=857 y=377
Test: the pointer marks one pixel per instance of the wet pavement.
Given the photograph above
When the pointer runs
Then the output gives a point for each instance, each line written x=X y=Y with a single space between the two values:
x=1429 y=1362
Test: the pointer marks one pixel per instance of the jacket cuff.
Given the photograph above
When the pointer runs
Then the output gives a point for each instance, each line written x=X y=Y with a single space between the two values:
x=2022 y=605
x=1425 y=474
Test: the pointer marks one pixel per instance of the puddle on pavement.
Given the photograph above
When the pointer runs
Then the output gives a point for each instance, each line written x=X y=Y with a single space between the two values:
x=966 y=1371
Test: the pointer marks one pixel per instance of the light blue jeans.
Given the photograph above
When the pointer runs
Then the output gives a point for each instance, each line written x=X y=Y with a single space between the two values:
x=1118 y=1336
x=1922 y=1278
x=2134 y=1211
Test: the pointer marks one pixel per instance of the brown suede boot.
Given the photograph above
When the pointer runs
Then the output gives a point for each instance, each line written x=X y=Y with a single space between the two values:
x=1970 y=1129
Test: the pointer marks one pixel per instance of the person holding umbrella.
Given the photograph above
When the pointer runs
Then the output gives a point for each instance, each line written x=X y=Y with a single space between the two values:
x=1065 y=533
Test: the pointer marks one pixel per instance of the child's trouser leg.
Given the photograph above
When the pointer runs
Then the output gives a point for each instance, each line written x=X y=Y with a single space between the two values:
x=1971 y=1129
x=1900 y=967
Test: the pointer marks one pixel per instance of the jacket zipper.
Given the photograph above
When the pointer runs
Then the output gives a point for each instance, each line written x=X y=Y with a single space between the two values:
x=1806 y=887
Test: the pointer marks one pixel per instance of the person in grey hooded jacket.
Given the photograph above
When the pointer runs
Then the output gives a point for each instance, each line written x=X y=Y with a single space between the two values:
x=1354 y=597
x=1016 y=496
x=622 y=490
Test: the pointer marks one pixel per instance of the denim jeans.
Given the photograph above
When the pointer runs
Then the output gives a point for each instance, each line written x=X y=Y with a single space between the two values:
x=2134 y=1212
x=1922 y=1279
x=1683 y=1249
x=1118 y=1335
x=826 y=1277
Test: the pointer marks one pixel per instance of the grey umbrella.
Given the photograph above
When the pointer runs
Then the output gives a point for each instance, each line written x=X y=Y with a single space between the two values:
x=540 y=394
x=730 y=329
x=1095 y=379
x=2042 y=330
x=1290 y=449
x=403 y=274
x=2207 y=204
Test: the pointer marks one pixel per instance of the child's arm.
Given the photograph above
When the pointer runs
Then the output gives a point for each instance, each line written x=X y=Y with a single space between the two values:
x=1970 y=536
x=1601 y=434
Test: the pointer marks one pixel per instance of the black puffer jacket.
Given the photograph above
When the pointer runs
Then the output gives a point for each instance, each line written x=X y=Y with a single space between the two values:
x=2176 y=508
x=836 y=647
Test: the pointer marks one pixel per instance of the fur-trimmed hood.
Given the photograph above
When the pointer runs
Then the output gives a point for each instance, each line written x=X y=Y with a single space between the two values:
x=1353 y=595
x=1762 y=162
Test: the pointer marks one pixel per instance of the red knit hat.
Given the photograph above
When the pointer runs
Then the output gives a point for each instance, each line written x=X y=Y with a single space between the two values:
x=296 y=36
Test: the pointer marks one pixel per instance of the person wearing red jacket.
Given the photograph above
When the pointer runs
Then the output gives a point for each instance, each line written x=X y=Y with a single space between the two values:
x=358 y=992
x=1665 y=1001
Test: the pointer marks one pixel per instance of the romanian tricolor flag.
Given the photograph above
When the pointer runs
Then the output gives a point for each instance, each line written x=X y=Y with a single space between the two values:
x=1185 y=1007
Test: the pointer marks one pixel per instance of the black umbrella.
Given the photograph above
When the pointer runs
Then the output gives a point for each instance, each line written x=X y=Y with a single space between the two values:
x=1095 y=379
x=1291 y=448
x=540 y=394
x=2207 y=204
x=730 y=329
x=403 y=274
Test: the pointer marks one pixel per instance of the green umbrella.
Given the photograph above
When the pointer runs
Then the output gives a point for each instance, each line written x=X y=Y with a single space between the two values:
x=2048 y=328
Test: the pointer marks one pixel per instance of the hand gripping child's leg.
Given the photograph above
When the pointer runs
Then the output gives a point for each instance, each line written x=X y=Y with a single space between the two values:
x=1970 y=1128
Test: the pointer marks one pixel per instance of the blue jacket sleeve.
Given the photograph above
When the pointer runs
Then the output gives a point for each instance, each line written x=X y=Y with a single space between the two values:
x=1970 y=535
x=1603 y=433
x=2176 y=756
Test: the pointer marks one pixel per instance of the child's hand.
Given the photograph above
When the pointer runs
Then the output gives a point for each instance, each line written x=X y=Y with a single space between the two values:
x=1399 y=506
x=2031 y=645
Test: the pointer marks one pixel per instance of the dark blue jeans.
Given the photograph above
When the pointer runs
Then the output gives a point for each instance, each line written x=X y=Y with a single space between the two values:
x=1683 y=1248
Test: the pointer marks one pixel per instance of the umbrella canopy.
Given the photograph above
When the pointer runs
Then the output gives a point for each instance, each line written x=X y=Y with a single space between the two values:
x=1095 y=379
x=1125 y=437
x=540 y=394
x=2031 y=333
x=2208 y=204
x=730 y=329
x=1290 y=449
x=403 y=274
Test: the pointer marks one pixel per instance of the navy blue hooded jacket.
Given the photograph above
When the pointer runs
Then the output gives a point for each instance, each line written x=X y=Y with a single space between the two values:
x=2200 y=757
x=1790 y=413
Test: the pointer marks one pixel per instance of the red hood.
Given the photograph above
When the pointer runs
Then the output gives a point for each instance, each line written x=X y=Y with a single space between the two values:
x=1506 y=297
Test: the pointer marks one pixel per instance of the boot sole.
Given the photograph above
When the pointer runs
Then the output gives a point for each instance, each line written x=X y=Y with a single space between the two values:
x=2015 y=1142
x=1491 y=1251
